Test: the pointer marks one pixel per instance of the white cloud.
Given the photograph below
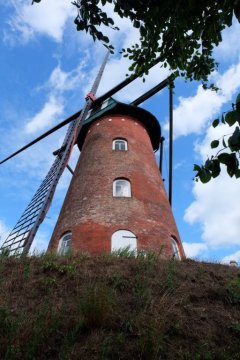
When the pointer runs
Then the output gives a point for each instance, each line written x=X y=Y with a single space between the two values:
x=115 y=73
x=233 y=257
x=229 y=48
x=192 y=250
x=46 y=18
x=58 y=83
x=203 y=149
x=61 y=81
x=193 y=113
x=4 y=231
x=49 y=113
x=217 y=209
x=40 y=243
x=215 y=206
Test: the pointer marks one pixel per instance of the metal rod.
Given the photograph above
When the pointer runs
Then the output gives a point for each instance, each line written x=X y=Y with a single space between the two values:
x=161 y=154
x=70 y=169
x=136 y=102
x=151 y=92
x=49 y=132
x=170 y=142
x=124 y=83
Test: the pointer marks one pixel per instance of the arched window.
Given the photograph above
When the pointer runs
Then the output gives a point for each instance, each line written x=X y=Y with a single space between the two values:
x=119 y=144
x=121 y=188
x=176 y=252
x=64 y=243
x=123 y=239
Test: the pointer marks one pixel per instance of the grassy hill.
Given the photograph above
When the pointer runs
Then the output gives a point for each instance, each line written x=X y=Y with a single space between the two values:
x=118 y=307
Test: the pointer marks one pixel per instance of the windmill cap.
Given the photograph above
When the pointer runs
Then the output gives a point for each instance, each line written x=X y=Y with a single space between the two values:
x=113 y=107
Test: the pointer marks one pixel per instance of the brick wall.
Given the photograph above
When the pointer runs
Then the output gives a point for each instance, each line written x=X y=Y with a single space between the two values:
x=91 y=212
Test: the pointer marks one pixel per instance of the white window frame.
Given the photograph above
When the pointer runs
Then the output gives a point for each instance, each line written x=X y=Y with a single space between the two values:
x=123 y=239
x=176 y=252
x=121 y=188
x=123 y=141
x=65 y=243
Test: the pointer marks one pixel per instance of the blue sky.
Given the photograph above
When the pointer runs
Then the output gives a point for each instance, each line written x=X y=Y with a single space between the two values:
x=47 y=67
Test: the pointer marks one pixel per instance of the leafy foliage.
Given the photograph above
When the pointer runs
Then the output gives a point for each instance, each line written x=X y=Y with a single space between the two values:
x=229 y=154
x=181 y=34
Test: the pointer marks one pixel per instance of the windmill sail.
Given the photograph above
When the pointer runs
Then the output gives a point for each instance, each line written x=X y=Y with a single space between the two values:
x=22 y=235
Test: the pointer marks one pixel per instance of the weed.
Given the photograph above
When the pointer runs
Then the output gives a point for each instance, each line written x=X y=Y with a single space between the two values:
x=117 y=281
x=235 y=328
x=125 y=252
x=202 y=353
x=150 y=344
x=50 y=266
x=96 y=306
x=49 y=282
x=199 y=272
x=26 y=271
x=128 y=326
x=234 y=291
x=73 y=333
x=148 y=261
x=106 y=350
x=142 y=289
x=174 y=329
x=170 y=282
x=121 y=338
x=69 y=269
x=44 y=325
x=8 y=329
x=5 y=253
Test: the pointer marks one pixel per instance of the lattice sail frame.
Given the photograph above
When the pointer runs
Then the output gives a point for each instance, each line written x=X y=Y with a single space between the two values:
x=21 y=237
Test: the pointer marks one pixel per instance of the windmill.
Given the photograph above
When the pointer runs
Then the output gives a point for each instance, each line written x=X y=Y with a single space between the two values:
x=21 y=237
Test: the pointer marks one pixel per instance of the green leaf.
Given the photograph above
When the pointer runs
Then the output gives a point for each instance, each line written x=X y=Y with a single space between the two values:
x=196 y=167
x=214 y=144
x=204 y=175
x=136 y=24
x=232 y=117
x=237 y=10
x=223 y=158
x=232 y=164
x=215 y=123
x=238 y=99
x=105 y=39
x=238 y=103
x=110 y=21
x=215 y=168
x=208 y=164
x=236 y=136
x=237 y=173
x=234 y=140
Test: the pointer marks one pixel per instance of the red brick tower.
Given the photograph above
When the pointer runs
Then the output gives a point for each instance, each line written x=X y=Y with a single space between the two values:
x=116 y=197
